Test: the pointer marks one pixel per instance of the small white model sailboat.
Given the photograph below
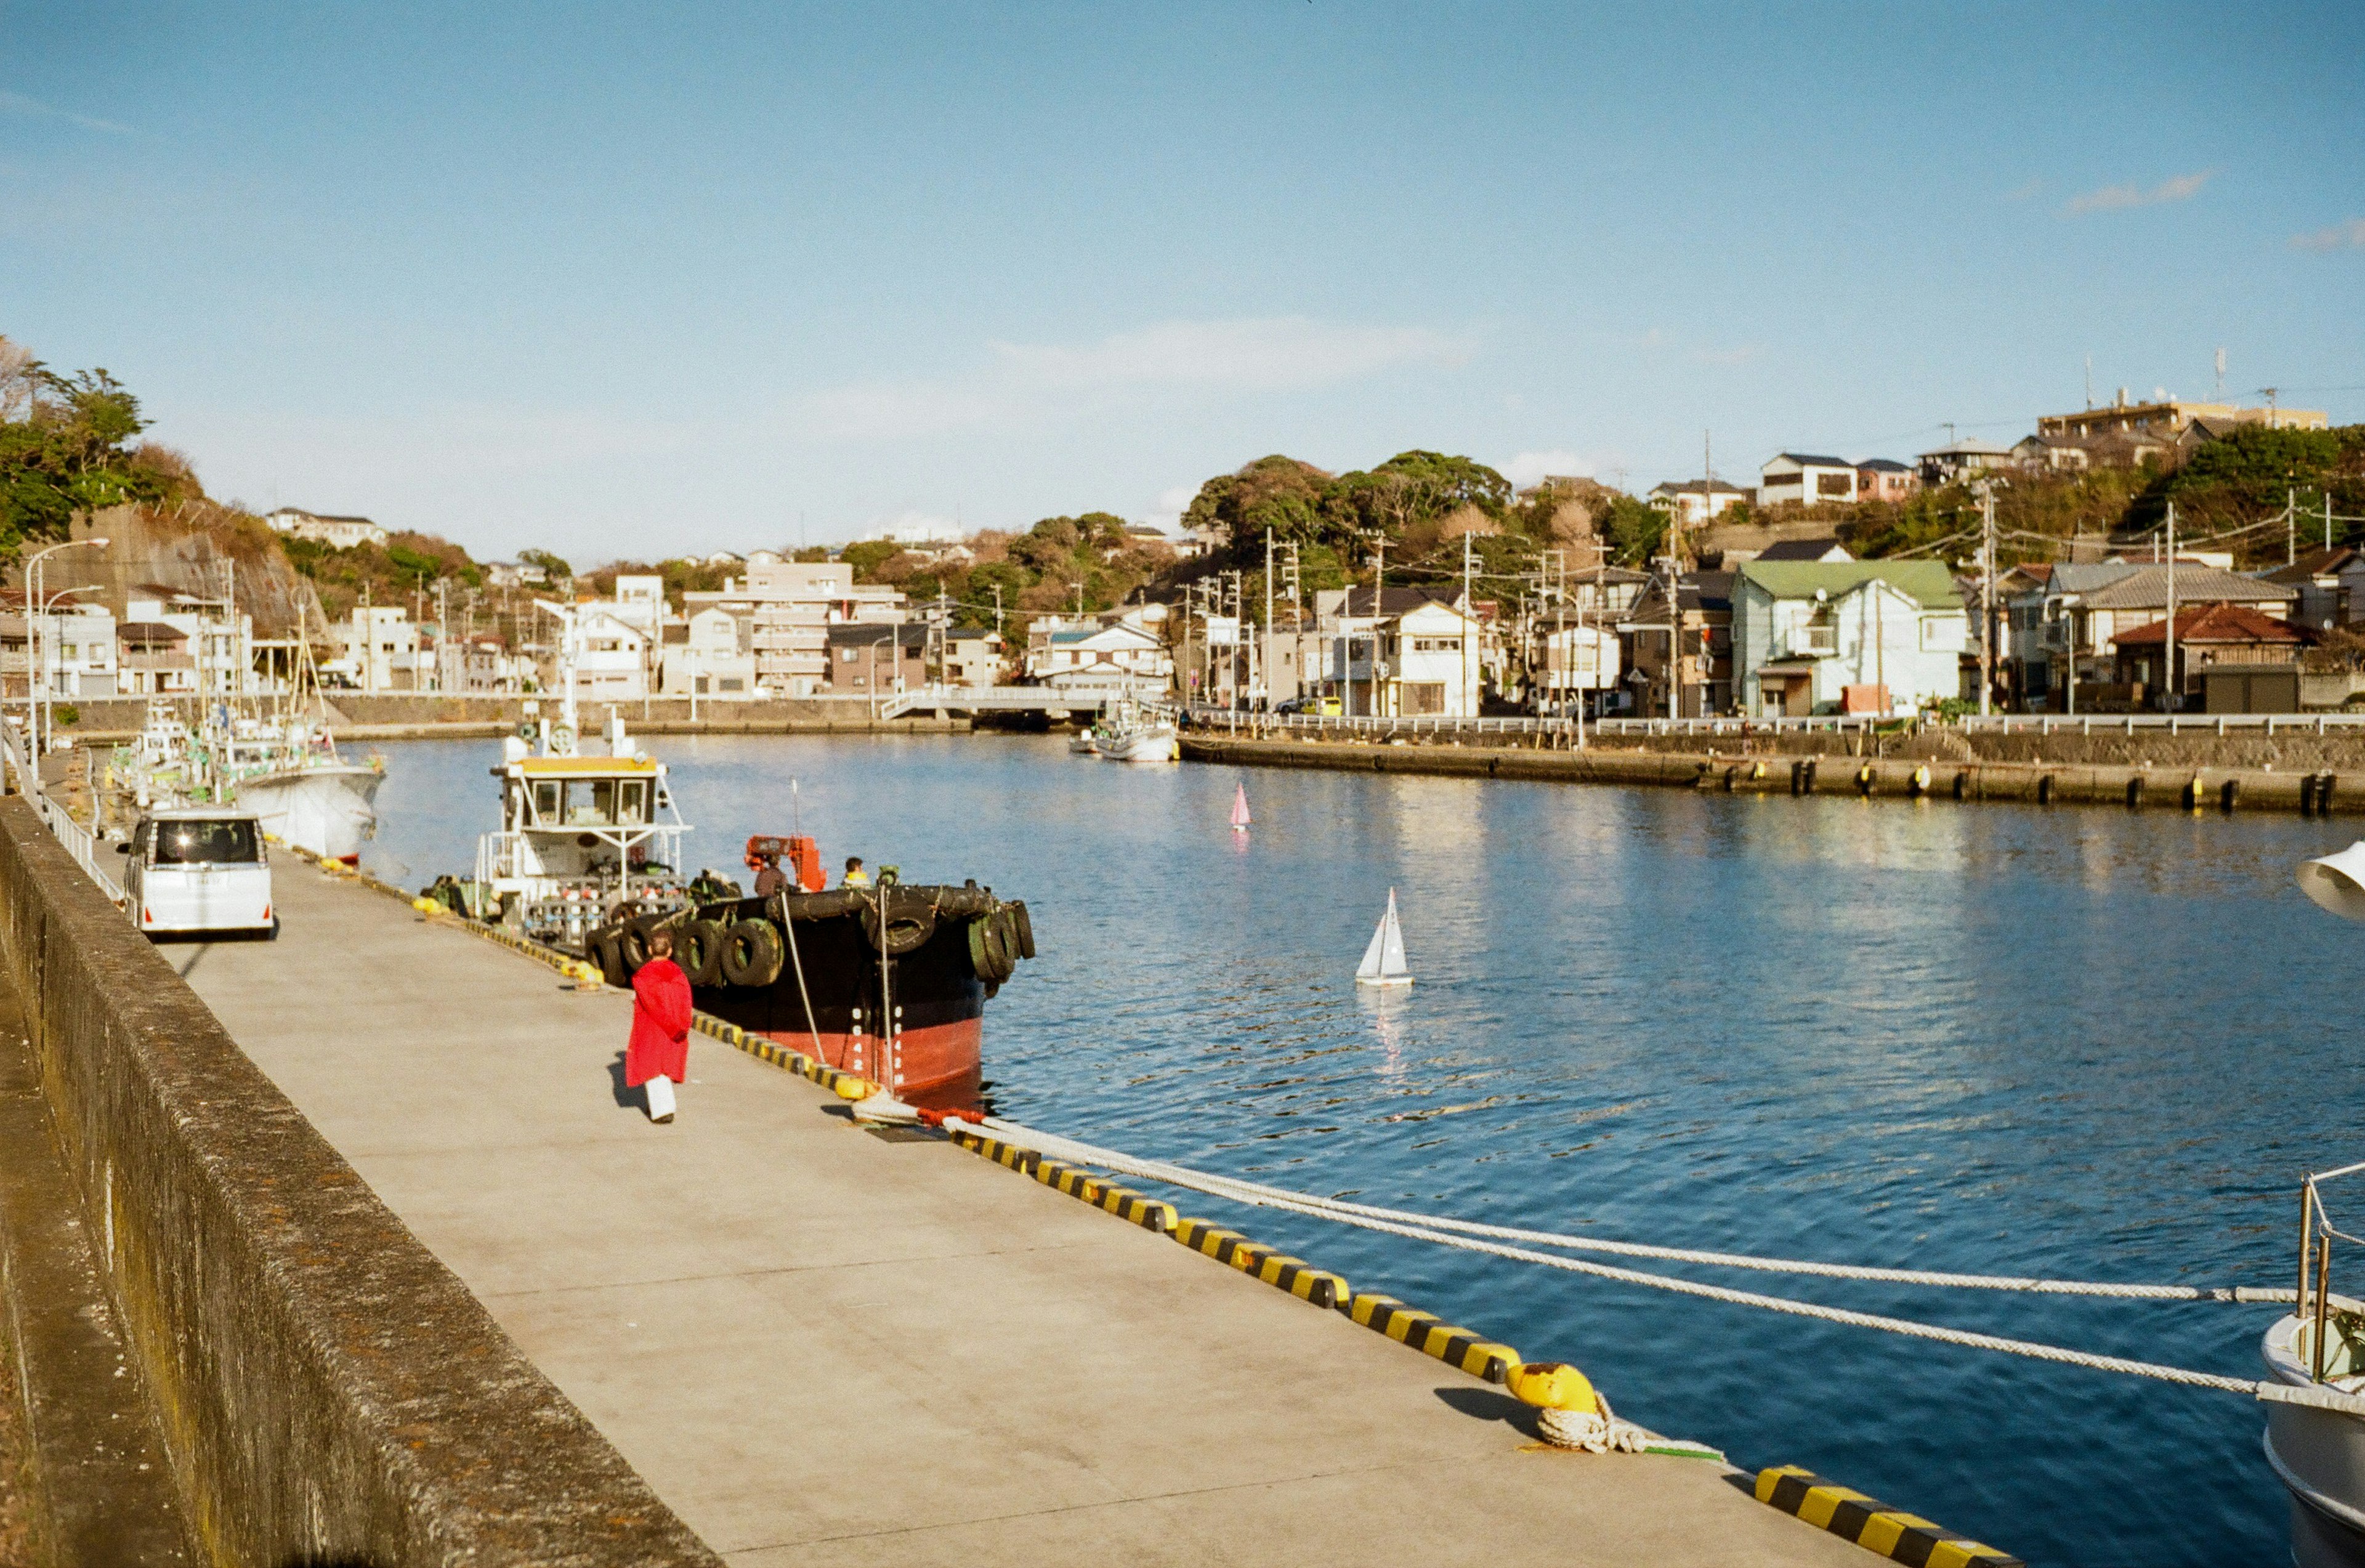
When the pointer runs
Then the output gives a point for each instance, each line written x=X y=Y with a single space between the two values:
x=1384 y=960
x=1240 y=807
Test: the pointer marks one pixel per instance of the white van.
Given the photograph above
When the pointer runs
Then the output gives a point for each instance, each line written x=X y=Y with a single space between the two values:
x=199 y=869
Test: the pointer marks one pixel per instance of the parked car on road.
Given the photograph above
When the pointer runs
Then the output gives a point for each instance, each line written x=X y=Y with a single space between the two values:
x=199 y=869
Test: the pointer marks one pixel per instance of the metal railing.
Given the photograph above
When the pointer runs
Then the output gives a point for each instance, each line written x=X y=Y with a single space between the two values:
x=2171 y=724
x=79 y=841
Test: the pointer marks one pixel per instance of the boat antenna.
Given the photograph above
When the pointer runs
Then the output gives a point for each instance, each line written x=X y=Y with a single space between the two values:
x=796 y=808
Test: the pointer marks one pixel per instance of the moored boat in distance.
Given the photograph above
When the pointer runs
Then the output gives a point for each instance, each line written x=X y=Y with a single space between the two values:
x=1134 y=735
x=291 y=777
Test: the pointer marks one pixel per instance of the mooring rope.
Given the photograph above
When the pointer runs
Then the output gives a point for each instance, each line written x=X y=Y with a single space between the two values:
x=1469 y=1237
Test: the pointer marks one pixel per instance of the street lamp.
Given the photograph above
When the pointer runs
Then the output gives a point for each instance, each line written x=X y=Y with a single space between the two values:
x=48 y=601
x=32 y=640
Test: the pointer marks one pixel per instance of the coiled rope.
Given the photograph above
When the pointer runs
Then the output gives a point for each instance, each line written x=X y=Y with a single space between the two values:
x=1470 y=1237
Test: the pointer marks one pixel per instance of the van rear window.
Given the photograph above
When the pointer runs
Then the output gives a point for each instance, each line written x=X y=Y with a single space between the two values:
x=207 y=843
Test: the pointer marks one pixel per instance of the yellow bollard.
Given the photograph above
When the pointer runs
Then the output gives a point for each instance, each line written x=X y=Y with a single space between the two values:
x=1552 y=1385
x=851 y=1088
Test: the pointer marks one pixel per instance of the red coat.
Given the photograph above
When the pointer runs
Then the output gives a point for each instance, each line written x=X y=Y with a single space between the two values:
x=660 y=1042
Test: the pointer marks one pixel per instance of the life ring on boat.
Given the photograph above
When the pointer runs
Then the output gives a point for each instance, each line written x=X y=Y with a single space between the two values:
x=748 y=952
x=698 y=946
x=910 y=917
x=1023 y=927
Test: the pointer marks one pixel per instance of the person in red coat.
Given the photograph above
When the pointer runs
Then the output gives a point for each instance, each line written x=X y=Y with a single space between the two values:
x=657 y=1056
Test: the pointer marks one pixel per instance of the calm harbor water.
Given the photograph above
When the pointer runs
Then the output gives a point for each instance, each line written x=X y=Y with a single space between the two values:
x=2083 y=1043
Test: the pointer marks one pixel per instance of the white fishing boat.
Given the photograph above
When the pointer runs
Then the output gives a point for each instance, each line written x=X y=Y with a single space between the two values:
x=1084 y=742
x=1384 y=960
x=1135 y=737
x=586 y=839
x=309 y=796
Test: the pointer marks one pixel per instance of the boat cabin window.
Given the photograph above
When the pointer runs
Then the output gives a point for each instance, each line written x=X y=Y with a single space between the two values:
x=545 y=801
x=207 y=843
x=590 y=802
x=632 y=800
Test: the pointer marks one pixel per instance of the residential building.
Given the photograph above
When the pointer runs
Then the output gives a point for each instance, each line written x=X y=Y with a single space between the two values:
x=78 y=657
x=711 y=654
x=1573 y=666
x=376 y=649
x=1800 y=478
x=972 y=657
x=639 y=602
x=2170 y=416
x=1859 y=636
x=612 y=657
x=1825 y=549
x=1694 y=502
x=2069 y=621
x=1960 y=460
x=221 y=645
x=515 y=574
x=1883 y=479
x=789 y=607
x=1406 y=653
x=1088 y=651
x=2207 y=635
x=326 y=528
x=2329 y=583
x=1699 y=630
x=153 y=659
x=477 y=665
x=877 y=659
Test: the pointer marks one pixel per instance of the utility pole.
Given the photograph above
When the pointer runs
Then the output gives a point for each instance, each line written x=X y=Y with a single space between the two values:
x=1469 y=615
x=1268 y=617
x=2291 y=525
x=1987 y=600
x=2175 y=687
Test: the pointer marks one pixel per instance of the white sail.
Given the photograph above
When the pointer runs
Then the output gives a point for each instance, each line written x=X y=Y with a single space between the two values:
x=1384 y=960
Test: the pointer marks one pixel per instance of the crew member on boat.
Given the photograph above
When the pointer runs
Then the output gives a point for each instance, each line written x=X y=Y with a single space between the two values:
x=657 y=1055
x=856 y=877
x=769 y=878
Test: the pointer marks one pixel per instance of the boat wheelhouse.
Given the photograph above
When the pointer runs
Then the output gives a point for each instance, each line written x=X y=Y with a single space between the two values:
x=584 y=840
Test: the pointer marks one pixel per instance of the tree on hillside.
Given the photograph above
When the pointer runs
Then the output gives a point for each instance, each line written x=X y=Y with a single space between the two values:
x=1276 y=492
x=558 y=570
x=64 y=451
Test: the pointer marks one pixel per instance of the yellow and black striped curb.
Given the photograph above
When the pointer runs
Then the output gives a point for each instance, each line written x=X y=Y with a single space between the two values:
x=770 y=1050
x=1122 y=1201
x=1851 y=1516
x=1278 y=1270
x=1422 y=1332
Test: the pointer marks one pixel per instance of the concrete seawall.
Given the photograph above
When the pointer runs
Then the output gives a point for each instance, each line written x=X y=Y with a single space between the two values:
x=328 y=1392
x=2035 y=783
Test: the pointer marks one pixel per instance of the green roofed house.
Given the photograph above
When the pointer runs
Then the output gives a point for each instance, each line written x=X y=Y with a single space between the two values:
x=1846 y=636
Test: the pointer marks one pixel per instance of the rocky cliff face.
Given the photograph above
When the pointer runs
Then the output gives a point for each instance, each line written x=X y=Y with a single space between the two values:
x=197 y=549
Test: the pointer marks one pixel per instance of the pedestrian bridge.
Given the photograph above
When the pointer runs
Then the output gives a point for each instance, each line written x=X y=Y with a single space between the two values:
x=1053 y=701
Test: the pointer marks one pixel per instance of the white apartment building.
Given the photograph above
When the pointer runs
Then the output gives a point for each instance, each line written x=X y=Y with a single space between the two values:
x=612 y=656
x=640 y=602
x=323 y=527
x=1804 y=479
x=972 y=657
x=220 y=645
x=77 y=655
x=713 y=655
x=378 y=649
x=789 y=607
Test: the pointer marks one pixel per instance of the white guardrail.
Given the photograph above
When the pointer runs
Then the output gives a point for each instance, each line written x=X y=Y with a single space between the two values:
x=1237 y=721
x=79 y=841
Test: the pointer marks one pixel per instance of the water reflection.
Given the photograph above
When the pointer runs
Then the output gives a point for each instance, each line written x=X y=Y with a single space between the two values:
x=2057 y=1040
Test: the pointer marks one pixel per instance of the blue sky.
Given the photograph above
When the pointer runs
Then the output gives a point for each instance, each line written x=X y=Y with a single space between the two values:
x=634 y=281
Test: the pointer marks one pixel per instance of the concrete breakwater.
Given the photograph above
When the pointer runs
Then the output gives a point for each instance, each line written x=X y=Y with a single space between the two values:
x=2034 y=783
x=327 y=1390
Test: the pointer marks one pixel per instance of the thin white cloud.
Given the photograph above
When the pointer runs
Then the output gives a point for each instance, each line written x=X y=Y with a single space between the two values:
x=1533 y=467
x=1172 y=502
x=2348 y=236
x=1741 y=355
x=33 y=108
x=1265 y=353
x=1258 y=355
x=2117 y=198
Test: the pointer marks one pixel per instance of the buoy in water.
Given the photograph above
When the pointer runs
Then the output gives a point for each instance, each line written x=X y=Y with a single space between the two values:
x=1384 y=960
x=1240 y=807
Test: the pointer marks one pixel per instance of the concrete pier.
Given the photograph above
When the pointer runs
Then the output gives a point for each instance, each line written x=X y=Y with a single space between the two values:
x=820 y=1345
